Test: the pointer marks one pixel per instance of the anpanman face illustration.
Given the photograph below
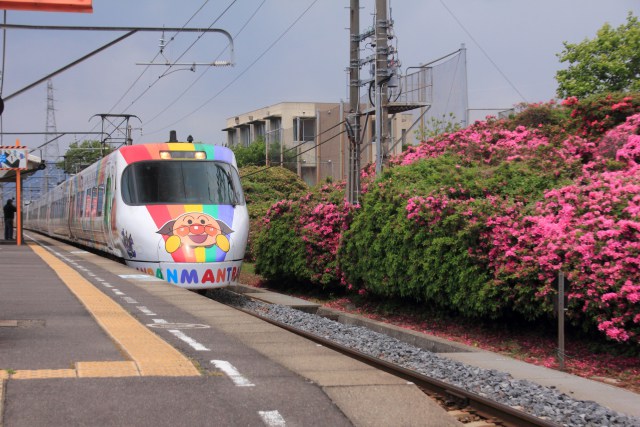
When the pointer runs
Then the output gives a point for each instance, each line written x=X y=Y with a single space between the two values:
x=195 y=229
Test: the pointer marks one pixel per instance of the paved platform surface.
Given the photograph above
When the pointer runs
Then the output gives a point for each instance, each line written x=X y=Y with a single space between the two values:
x=579 y=388
x=88 y=341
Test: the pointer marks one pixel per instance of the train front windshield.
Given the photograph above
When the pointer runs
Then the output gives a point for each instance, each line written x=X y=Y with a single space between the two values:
x=181 y=182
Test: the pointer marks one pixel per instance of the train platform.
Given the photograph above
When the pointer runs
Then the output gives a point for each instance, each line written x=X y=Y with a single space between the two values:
x=88 y=341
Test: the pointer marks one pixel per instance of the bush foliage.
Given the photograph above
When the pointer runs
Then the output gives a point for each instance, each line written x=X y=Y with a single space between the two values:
x=480 y=221
x=262 y=188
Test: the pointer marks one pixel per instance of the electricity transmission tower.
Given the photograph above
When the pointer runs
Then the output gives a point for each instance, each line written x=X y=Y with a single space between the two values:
x=51 y=150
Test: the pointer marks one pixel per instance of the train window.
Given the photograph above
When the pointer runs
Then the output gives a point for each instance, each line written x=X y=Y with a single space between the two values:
x=94 y=201
x=87 y=203
x=181 y=182
x=79 y=206
x=100 y=200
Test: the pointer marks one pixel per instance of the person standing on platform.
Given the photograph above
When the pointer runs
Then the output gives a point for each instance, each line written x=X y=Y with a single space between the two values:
x=9 y=214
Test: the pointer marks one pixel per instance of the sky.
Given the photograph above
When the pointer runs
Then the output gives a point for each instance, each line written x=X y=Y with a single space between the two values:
x=284 y=50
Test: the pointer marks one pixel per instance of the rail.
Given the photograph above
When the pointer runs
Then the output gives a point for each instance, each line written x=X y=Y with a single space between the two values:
x=488 y=408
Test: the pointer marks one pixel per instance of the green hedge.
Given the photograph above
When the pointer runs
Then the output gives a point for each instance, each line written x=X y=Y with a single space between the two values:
x=390 y=255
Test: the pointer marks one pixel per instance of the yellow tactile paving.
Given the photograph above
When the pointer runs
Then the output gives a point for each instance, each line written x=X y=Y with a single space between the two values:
x=107 y=369
x=42 y=374
x=151 y=355
x=4 y=375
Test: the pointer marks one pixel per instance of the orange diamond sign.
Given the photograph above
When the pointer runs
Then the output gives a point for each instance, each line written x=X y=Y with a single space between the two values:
x=48 y=5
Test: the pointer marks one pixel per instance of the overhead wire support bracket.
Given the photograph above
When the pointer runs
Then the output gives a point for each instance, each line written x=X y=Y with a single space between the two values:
x=193 y=65
x=126 y=139
x=130 y=31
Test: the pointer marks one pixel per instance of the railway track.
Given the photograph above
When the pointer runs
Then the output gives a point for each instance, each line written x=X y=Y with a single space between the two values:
x=466 y=406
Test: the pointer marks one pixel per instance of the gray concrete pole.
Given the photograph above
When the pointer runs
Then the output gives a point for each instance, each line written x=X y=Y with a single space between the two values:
x=381 y=77
x=353 y=173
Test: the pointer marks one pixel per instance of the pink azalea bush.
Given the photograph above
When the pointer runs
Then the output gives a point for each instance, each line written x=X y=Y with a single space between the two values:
x=591 y=231
x=321 y=226
x=486 y=142
x=487 y=221
x=308 y=232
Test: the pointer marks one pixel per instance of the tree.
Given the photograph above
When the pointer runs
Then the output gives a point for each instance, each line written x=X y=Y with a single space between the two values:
x=608 y=63
x=436 y=126
x=81 y=155
x=252 y=155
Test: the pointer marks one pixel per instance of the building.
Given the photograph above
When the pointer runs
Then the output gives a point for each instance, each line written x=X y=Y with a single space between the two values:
x=309 y=138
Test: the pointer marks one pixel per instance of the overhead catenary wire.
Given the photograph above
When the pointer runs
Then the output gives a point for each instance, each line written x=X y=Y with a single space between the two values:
x=156 y=56
x=243 y=72
x=181 y=55
x=206 y=70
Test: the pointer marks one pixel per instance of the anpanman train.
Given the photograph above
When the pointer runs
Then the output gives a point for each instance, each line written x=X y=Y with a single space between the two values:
x=173 y=210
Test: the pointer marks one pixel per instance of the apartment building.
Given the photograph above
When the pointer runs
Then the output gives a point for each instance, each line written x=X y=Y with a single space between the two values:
x=309 y=138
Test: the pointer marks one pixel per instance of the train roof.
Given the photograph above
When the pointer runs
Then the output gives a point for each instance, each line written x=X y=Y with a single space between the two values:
x=136 y=153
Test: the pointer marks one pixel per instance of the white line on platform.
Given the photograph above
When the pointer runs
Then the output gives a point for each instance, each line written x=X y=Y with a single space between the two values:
x=232 y=373
x=145 y=310
x=117 y=291
x=193 y=343
x=130 y=300
x=272 y=418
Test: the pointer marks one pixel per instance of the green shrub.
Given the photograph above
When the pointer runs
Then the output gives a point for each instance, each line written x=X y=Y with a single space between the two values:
x=429 y=255
x=262 y=188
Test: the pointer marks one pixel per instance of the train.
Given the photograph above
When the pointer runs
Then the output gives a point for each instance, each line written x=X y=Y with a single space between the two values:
x=173 y=210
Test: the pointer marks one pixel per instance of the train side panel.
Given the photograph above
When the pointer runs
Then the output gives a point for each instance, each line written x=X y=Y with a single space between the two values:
x=89 y=208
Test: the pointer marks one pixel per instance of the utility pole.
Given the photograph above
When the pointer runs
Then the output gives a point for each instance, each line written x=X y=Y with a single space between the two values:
x=381 y=79
x=353 y=117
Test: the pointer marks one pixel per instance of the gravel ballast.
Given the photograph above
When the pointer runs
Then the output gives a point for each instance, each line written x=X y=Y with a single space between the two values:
x=543 y=402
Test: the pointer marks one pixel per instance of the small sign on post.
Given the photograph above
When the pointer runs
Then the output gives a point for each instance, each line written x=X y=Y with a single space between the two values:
x=15 y=158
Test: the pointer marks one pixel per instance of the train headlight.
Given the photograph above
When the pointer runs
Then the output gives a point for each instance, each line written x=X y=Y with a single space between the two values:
x=185 y=155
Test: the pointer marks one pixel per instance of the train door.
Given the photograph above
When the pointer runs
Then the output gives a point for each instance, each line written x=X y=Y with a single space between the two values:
x=71 y=210
x=108 y=217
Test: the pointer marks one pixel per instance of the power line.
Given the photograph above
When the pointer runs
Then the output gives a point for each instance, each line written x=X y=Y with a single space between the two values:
x=157 y=54
x=183 y=53
x=206 y=70
x=483 y=51
x=243 y=71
